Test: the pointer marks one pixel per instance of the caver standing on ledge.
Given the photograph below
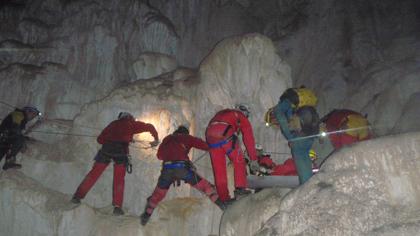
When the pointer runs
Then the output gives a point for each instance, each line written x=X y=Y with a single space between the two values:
x=296 y=115
x=222 y=136
x=115 y=139
x=12 y=139
x=177 y=166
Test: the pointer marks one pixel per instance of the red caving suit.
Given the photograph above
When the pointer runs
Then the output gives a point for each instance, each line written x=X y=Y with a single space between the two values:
x=115 y=139
x=177 y=166
x=221 y=136
x=334 y=121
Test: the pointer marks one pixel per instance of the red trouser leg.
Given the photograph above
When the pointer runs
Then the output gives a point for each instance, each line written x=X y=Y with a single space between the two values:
x=218 y=161
x=90 y=179
x=205 y=187
x=157 y=196
x=118 y=186
x=239 y=167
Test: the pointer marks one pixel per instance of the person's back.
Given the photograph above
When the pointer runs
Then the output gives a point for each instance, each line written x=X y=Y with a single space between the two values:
x=14 y=122
x=176 y=147
x=176 y=166
x=115 y=139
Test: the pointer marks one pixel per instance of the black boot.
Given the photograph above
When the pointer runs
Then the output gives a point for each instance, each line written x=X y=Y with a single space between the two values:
x=75 y=200
x=241 y=192
x=144 y=218
x=11 y=163
x=220 y=204
x=118 y=211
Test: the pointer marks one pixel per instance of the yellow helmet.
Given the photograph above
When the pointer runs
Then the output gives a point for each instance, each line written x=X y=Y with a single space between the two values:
x=306 y=97
x=270 y=118
x=358 y=126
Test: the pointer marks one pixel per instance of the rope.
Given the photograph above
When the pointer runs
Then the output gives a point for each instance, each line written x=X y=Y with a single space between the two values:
x=67 y=134
x=199 y=157
x=92 y=136
x=278 y=153
x=7 y=104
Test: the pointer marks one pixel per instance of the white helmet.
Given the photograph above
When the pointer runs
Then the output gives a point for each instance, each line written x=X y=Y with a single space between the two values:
x=243 y=108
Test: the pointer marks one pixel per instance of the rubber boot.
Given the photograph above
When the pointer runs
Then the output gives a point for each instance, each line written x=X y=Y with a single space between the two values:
x=144 y=218
x=75 y=200
x=241 y=192
x=222 y=205
x=118 y=211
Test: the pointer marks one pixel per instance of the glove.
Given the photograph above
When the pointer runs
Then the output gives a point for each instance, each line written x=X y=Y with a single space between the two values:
x=154 y=143
x=254 y=166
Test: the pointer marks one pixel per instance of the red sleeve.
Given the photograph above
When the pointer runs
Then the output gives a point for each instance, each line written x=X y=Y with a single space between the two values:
x=248 y=136
x=196 y=142
x=102 y=136
x=140 y=127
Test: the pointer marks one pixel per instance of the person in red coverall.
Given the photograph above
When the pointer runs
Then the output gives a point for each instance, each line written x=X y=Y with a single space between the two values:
x=221 y=135
x=288 y=168
x=177 y=166
x=115 y=139
x=355 y=127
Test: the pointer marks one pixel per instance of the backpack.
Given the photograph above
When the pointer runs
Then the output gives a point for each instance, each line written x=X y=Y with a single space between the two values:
x=309 y=120
x=300 y=97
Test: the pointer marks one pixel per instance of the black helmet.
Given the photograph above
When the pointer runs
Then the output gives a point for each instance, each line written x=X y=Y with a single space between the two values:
x=31 y=109
x=181 y=130
x=124 y=115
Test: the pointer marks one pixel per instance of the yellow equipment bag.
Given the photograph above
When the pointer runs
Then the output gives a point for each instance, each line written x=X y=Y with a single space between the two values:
x=17 y=117
x=270 y=118
x=306 y=97
x=358 y=126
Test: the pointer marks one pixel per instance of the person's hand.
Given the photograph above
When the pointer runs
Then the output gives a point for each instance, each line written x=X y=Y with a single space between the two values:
x=254 y=166
x=154 y=143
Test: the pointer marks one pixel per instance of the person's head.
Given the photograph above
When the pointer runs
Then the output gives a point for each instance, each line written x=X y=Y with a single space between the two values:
x=125 y=115
x=31 y=112
x=182 y=130
x=243 y=108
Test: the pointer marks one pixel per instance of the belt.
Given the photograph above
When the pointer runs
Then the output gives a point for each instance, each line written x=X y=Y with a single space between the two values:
x=221 y=143
x=174 y=164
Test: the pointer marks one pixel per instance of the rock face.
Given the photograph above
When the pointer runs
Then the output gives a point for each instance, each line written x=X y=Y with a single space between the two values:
x=168 y=62
x=368 y=189
x=30 y=209
x=175 y=98
x=61 y=55
x=360 y=55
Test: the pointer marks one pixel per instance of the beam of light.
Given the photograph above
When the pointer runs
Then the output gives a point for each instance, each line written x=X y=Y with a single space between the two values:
x=324 y=134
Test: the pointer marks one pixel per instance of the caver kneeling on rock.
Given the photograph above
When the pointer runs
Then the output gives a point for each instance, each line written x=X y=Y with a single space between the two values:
x=115 y=139
x=177 y=166
x=12 y=139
